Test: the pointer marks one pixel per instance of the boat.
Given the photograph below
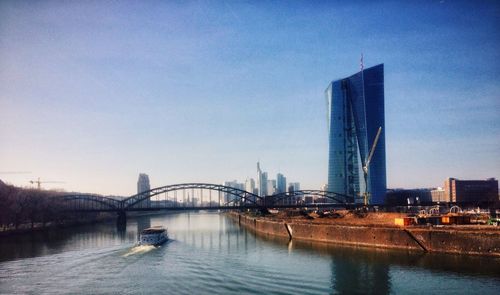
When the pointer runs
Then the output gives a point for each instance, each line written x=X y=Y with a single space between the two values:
x=155 y=236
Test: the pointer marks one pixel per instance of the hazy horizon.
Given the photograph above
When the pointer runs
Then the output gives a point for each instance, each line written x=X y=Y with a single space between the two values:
x=94 y=93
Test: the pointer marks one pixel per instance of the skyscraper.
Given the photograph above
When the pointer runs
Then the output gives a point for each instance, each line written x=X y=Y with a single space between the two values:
x=144 y=186
x=250 y=187
x=143 y=183
x=271 y=186
x=261 y=181
x=235 y=184
x=355 y=113
x=280 y=183
x=263 y=185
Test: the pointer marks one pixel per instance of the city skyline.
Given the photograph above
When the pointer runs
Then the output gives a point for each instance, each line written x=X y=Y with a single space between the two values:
x=93 y=94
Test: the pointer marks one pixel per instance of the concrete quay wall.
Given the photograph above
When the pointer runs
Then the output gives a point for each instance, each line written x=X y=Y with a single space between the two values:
x=427 y=239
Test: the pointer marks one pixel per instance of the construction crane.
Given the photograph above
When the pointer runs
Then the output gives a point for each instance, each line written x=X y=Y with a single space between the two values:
x=367 y=165
x=38 y=182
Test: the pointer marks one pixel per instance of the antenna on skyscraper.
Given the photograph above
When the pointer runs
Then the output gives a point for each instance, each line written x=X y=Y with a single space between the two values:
x=361 y=65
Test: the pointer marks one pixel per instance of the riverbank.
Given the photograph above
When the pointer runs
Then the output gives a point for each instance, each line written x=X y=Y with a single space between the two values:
x=39 y=227
x=463 y=239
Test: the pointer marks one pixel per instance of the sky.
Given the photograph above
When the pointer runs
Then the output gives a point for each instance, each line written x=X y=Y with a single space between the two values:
x=92 y=93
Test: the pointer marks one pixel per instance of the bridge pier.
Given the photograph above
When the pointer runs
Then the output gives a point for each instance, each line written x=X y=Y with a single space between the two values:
x=121 y=221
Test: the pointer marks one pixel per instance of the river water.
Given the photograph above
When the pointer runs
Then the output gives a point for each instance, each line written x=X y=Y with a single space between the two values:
x=210 y=254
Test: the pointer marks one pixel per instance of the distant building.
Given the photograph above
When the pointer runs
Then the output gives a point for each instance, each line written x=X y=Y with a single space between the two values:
x=280 y=183
x=293 y=186
x=263 y=184
x=143 y=183
x=405 y=197
x=250 y=185
x=234 y=184
x=471 y=191
x=271 y=186
x=144 y=186
x=355 y=113
x=261 y=181
x=438 y=195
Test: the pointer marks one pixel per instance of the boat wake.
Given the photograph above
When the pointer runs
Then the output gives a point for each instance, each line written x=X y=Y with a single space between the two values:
x=137 y=250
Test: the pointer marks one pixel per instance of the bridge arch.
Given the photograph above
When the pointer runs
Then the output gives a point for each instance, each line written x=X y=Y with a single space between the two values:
x=241 y=195
x=85 y=202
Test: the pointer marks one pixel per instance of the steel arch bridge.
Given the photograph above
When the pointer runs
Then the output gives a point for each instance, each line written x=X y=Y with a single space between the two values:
x=90 y=202
x=208 y=196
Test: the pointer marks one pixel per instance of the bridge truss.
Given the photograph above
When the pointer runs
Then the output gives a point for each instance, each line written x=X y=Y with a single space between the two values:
x=190 y=196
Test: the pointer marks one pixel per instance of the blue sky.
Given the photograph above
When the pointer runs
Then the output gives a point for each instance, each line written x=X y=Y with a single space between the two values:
x=94 y=92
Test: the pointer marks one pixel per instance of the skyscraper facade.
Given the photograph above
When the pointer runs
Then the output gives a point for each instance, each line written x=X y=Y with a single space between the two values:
x=263 y=184
x=355 y=113
x=144 y=186
x=235 y=184
x=261 y=181
x=271 y=186
x=280 y=183
x=143 y=183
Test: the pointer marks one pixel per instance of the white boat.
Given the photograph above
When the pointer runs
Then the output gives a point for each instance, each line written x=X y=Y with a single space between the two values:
x=156 y=235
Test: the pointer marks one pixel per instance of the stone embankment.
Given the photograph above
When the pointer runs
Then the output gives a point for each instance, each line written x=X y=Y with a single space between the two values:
x=472 y=240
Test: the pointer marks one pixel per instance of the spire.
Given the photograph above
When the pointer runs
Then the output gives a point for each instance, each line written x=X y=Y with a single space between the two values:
x=361 y=64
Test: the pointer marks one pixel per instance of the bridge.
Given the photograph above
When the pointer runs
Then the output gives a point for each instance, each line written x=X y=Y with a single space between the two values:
x=199 y=196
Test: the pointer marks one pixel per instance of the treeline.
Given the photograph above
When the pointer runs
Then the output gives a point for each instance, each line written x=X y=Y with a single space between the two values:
x=30 y=208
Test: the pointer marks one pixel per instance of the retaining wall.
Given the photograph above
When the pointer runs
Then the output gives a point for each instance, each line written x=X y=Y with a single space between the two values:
x=428 y=239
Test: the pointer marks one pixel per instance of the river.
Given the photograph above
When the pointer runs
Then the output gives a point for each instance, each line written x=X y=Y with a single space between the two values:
x=210 y=254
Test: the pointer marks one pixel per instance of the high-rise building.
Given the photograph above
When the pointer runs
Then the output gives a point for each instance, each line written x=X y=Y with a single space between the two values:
x=259 y=179
x=271 y=186
x=143 y=186
x=280 y=183
x=143 y=183
x=250 y=187
x=263 y=184
x=234 y=184
x=355 y=113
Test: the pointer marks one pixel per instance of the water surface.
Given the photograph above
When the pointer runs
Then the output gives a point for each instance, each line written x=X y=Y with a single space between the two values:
x=210 y=254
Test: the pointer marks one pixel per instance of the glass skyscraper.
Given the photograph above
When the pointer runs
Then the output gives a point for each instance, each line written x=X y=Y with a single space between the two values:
x=355 y=113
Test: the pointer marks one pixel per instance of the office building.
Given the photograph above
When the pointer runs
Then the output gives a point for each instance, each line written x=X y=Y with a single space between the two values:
x=475 y=192
x=250 y=187
x=261 y=181
x=264 y=185
x=355 y=113
x=280 y=183
x=438 y=195
x=293 y=186
x=234 y=184
x=143 y=183
x=271 y=187
x=144 y=186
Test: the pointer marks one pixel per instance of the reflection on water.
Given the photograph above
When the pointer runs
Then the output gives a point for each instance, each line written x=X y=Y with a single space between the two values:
x=209 y=253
